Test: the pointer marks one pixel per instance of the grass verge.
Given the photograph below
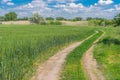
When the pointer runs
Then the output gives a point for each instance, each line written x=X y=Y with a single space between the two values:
x=107 y=54
x=73 y=67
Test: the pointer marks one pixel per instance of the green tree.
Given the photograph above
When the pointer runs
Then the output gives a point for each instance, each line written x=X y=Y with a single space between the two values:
x=117 y=20
x=77 y=19
x=60 y=18
x=49 y=18
x=23 y=18
x=89 y=18
x=11 y=16
x=37 y=19
x=1 y=19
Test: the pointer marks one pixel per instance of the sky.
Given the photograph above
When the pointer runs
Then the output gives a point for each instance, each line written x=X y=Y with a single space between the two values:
x=62 y=8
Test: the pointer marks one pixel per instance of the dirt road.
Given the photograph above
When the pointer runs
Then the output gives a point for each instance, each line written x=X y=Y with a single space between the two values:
x=50 y=70
x=90 y=64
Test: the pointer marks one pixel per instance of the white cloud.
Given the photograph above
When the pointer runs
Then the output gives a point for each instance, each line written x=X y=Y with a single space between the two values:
x=73 y=5
x=110 y=10
x=66 y=8
x=7 y=2
x=35 y=6
x=60 y=6
x=105 y=2
x=117 y=7
x=70 y=5
x=61 y=1
x=10 y=3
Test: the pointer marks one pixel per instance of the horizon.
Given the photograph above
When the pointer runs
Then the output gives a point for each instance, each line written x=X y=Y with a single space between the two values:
x=62 y=8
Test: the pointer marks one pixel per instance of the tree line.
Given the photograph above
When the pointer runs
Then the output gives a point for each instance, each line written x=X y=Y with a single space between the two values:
x=12 y=16
x=38 y=19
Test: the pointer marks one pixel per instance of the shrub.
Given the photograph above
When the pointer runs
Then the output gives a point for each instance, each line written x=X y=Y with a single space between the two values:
x=49 y=18
x=117 y=20
x=60 y=18
x=77 y=19
x=110 y=41
x=37 y=19
x=55 y=23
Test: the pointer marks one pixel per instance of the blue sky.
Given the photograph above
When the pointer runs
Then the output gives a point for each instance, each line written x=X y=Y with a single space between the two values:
x=63 y=8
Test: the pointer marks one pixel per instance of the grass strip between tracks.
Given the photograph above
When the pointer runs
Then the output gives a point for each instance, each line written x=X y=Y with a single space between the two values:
x=72 y=69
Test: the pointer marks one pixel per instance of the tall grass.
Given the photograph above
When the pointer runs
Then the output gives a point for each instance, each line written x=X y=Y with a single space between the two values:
x=107 y=53
x=73 y=67
x=20 y=46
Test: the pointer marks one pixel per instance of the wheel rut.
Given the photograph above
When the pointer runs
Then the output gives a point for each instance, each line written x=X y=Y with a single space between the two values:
x=90 y=64
x=50 y=70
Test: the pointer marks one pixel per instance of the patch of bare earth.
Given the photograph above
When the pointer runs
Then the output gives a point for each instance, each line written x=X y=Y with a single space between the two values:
x=50 y=70
x=90 y=65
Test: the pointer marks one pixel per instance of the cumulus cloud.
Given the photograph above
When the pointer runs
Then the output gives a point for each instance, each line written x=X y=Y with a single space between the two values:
x=10 y=3
x=110 y=10
x=70 y=5
x=39 y=6
x=105 y=2
x=7 y=2
x=73 y=5
x=66 y=8
x=117 y=7
x=61 y=1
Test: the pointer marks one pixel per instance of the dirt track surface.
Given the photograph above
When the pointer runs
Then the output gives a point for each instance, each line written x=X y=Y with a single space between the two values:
x=50 y=70
x=90 y=65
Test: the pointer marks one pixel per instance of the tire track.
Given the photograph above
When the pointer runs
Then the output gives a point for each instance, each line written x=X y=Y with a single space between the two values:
x=90 y=65
x=50 y=70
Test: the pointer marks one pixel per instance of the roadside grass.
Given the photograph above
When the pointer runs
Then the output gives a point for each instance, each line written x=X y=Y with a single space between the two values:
x=107 y=54
x=23 y=47
x=72 y=69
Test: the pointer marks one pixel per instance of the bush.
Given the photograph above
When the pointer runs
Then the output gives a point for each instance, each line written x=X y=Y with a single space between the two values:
x=60 y=18
x=49 y=18
x=110 y=41
x=101 y=22
x=37 y=19
x=2 y=18
x=77 y=19
x=117 y=20
x=89 y=18
x=55 y=23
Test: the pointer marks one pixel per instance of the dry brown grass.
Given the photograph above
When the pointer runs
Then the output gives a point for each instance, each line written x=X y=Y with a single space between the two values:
x=15 y=22
x=75 y=23
x=70 y=23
